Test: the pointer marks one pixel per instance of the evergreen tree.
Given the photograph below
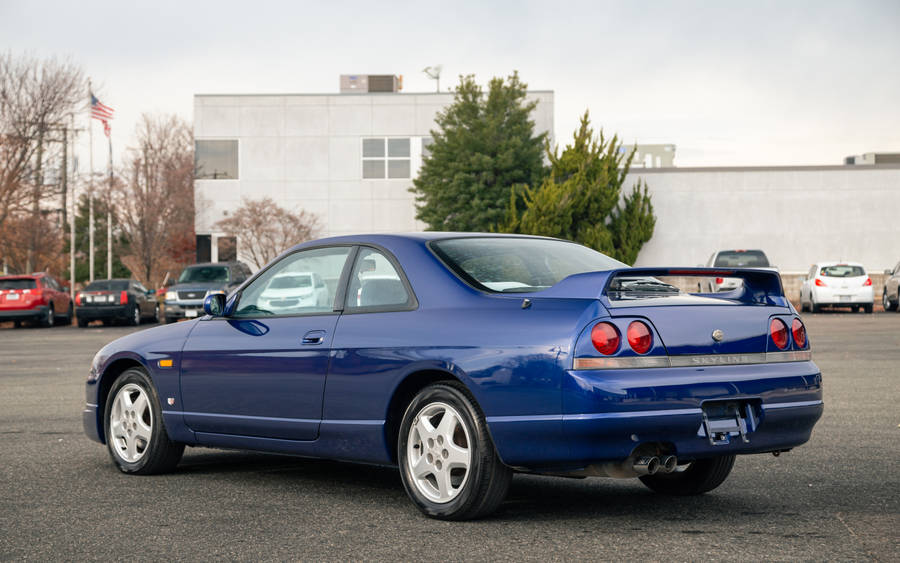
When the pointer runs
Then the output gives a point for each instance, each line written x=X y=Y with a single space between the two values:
x=580 y=199
x=483 y=147
x=82 y=244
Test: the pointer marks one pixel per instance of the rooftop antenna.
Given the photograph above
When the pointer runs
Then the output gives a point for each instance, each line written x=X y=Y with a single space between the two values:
x=434 y=73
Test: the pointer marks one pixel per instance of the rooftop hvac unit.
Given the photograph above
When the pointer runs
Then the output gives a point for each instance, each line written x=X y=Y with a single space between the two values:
x=364 y=83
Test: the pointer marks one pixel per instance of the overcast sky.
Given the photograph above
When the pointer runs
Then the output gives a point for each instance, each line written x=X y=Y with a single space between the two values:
x=750 y=83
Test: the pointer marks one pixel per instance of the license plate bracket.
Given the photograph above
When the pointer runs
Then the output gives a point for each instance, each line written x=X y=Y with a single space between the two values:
x=190 y=313
x=725 y=420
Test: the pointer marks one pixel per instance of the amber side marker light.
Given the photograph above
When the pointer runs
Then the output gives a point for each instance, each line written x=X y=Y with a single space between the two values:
x=167 y=363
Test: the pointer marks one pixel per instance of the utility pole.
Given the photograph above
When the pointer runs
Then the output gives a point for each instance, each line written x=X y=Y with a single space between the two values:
x=30 y=265
x=72 y=224
x=109 y=215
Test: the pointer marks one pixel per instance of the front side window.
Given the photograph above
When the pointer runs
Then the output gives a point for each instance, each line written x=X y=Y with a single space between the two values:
x=376 y=284
x=385 y=158
x=303 y=283
x=518 y=264
x=216 y=160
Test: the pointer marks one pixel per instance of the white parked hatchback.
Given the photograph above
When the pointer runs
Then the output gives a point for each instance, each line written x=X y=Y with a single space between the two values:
x=837 y=284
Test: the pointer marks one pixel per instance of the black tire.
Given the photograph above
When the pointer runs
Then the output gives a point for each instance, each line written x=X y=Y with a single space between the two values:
x=486 y=480
x=886 y=301
x=17 y=324
x=70 y=316
x=134 y=317
x=813 y=308
x=170 y=320
x=855 y=308
x=867 y=309
x=160 y=454
x=701 y=476
x=49 y=319
x=155 y=318
x=82 y=323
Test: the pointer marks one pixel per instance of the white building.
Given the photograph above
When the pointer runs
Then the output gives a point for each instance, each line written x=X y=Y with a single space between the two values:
x=349 y=158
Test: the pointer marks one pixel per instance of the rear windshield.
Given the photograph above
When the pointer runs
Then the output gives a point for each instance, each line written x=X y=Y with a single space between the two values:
x=842 y=271
x=107 y=285
x=290 y=282
x=739 y=258
x=204 y=274
x=519 y=265
x=23 y=283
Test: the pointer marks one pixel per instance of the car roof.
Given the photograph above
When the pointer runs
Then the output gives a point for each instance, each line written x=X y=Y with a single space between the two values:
x=21 y=276
x=420 y=237
x=834 y=263
x=741 y=250
x=202 y=264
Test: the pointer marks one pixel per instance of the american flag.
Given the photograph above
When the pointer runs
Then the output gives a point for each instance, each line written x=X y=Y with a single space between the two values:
x=101 y=112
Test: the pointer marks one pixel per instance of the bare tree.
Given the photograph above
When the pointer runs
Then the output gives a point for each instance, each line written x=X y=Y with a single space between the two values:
x=155 y=207
x=264 y=230
x=36 y=96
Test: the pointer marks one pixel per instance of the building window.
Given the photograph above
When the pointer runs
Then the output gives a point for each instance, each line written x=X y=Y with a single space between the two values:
x=216 y=160
x=426 y=147
x=385 y=158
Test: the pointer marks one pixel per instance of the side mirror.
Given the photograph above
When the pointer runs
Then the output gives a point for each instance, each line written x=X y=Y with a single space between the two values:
x=214 y=304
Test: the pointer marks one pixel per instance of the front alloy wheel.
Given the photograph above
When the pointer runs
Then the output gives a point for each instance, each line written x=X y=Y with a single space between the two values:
x=134 y=429
x=448 y=462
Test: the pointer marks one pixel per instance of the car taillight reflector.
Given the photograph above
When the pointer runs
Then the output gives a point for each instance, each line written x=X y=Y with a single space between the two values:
x=779 y=333
x=720 y=281
x=820 y=283
x=639 y=337
x=605 y=338
x=123 y=297
x=867 y=282
x=78 y=299
x=799 y=332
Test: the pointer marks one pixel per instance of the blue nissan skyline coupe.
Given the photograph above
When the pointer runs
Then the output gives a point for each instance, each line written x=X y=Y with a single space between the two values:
x=463 y=358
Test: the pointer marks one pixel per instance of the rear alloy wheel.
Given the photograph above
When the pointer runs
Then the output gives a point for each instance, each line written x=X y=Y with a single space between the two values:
x=49 y=318
x=134 y=428
x=886 y=301
x=696 y=478
x=156 y=313
x=448 y=463
x=135 y=316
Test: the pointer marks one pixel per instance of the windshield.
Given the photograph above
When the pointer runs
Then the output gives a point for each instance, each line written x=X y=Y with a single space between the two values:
x=204 y=274
x=739 y=258
x=22 y=283
x=518 y=264
x=842 y=271
x=107 y=285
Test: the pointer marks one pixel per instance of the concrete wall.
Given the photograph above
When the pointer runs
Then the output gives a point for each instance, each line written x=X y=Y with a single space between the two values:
x=305 y=152
x=797 y=215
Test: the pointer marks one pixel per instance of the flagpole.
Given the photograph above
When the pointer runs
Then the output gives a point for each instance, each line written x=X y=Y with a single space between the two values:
x=109 y=213
x=91 y=185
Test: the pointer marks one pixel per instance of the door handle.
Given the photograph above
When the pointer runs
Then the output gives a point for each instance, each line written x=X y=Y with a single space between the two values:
x=314 y=337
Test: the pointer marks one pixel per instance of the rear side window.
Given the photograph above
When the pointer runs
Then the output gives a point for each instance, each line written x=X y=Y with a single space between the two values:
x=22 y=283
x=842 y=271
x=742 y=258
x=518 y=264
x=376 y=284
x=107 y=285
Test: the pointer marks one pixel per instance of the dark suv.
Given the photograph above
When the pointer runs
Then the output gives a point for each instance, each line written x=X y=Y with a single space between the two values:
x=184 y=300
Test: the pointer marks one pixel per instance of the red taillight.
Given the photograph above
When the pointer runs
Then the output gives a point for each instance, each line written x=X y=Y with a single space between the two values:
x=779 y=333
x=639 y=337
x=867 y=282
x=605 y=338
x=78 y=299
x=820 y=283
x=123 y=298
x=720 y=281
x=799 y=332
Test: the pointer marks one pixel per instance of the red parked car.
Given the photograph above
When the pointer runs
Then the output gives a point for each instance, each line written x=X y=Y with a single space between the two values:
x=36 y=297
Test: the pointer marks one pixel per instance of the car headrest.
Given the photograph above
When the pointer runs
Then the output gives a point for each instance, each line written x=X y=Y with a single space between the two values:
x=382 y=292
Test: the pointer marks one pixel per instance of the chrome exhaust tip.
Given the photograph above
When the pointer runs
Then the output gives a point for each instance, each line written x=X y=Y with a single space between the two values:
x=668 y=463
x=646 y=465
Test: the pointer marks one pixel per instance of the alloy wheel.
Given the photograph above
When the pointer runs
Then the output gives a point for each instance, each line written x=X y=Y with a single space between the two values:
x=439 y=452
x=130 y=423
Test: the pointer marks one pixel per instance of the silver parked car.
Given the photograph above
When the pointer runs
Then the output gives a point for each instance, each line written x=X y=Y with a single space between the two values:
x=890 y=295
x=732 y=259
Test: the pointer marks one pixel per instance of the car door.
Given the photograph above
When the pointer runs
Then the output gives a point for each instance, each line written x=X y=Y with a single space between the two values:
x=258 y=373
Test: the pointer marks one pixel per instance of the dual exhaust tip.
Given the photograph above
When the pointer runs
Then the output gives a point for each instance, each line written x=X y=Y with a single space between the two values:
x=651 y=465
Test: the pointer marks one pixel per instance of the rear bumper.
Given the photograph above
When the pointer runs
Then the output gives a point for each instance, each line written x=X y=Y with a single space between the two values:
x=104 y=312
x=24 y=314
x=607 y=414
x=858 y=296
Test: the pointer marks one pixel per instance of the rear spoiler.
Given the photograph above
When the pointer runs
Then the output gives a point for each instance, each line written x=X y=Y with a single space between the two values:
x=760 y=287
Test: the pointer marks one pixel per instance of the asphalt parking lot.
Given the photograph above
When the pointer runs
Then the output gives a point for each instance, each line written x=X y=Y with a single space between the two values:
x=836 y=498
